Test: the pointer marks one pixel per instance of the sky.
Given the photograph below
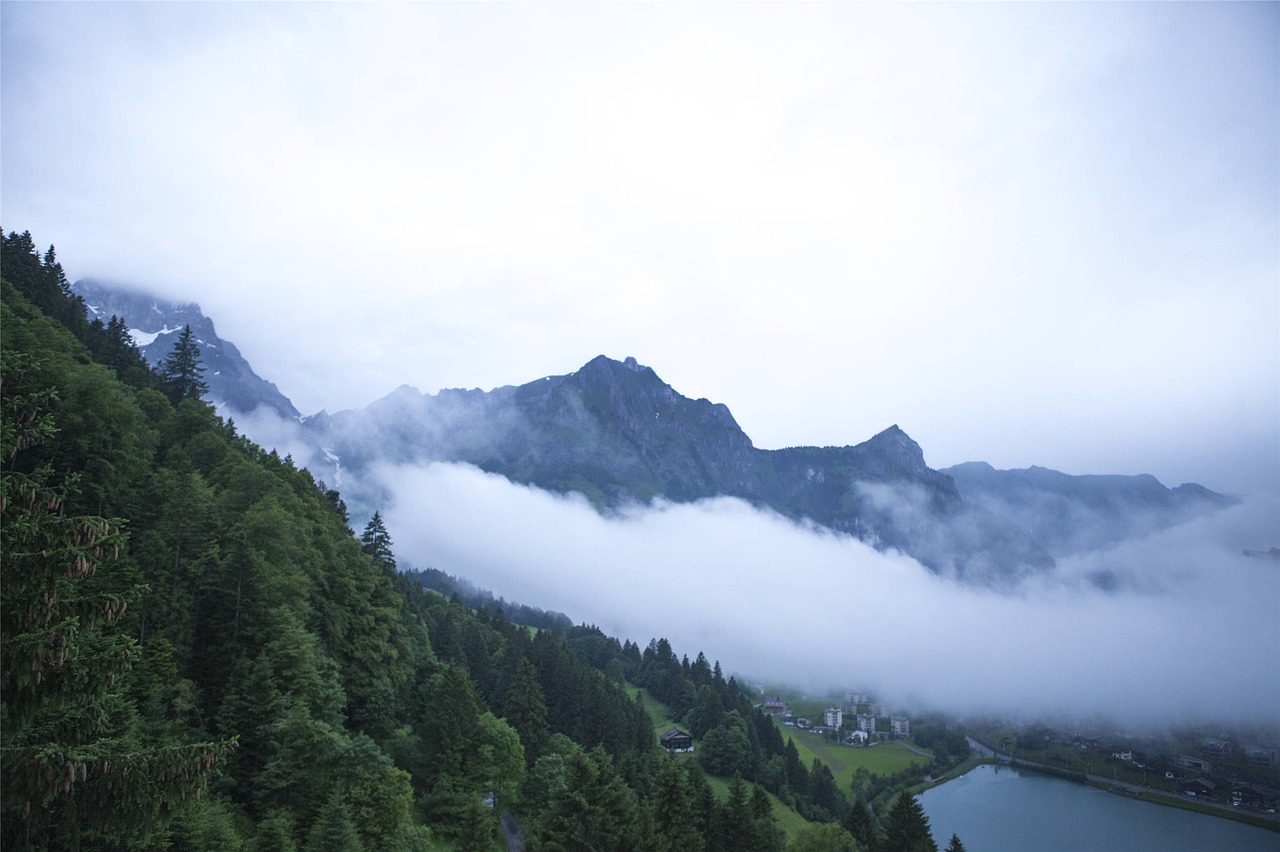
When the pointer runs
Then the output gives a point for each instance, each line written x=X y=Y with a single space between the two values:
x=1026 y=233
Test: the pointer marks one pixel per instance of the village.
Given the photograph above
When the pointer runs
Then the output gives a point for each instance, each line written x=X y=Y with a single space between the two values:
x=856 y=721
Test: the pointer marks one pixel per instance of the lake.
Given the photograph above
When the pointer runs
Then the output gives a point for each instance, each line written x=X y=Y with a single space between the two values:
x=996 y=808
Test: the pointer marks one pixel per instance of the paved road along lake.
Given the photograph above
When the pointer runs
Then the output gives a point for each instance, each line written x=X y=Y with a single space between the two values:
x=996 y=808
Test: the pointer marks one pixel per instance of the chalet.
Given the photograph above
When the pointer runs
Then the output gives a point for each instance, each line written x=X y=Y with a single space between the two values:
x=1200 y=788
x=774 y=706
x=676 y=741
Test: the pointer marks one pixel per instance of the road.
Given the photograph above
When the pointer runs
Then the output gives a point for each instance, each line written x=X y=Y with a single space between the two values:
x=511 y=831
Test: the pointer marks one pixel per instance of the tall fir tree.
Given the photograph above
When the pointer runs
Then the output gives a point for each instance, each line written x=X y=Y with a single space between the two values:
x=906 y=827
x=858 y=822
x=181 y=371
x=526 y=710
x=376 y=542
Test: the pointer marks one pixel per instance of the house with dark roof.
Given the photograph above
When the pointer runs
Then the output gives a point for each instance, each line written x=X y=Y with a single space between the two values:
x=676 y=741
x=1200 y=788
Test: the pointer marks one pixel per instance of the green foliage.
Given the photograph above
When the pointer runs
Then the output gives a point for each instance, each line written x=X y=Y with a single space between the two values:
x=726 y=750
x=333 y=831
x=858 y=822
x=906 y=828
x=674 y=820
x=823 y=838
x=376 y=541
x=954 y=845
x=181 y=373
x=526 y=710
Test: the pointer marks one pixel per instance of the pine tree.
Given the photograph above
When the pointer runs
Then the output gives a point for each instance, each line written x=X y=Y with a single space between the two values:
x=858 y=822
x=333 y=831
x=955 y=845
x=907 y=827
x=181 y=371
x=526 y=710
x=376 y=541
x=55 y=272
x=673 y=815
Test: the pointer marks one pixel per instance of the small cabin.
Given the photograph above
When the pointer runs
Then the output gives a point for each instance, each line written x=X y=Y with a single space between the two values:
x=676 y=741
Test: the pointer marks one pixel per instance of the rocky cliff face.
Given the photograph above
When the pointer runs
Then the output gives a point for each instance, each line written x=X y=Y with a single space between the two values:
x=155 y=325
x=615 y=432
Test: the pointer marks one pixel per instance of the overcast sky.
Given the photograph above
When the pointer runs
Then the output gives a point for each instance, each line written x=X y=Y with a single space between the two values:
x=1026 y=233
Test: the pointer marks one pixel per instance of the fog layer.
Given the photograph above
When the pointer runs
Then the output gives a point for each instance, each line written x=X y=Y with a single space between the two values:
x=1176 y=626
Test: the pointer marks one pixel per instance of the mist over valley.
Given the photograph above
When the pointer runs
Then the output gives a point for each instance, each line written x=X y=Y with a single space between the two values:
x=609 y=496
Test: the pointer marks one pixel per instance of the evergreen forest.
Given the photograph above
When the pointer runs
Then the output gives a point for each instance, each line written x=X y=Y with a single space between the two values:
x=200 y=653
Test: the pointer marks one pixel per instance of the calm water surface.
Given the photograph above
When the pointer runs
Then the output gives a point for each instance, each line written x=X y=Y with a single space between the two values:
x=995 y=808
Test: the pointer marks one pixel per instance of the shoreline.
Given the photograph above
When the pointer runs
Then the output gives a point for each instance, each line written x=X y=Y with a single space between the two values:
x=988 y=755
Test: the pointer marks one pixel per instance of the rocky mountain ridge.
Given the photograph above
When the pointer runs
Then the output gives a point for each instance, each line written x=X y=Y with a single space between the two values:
x=616 y=433
x=155 y=324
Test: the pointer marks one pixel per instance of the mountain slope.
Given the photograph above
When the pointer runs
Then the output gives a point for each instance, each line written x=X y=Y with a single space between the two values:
x=154 y=325
x=1072 y=514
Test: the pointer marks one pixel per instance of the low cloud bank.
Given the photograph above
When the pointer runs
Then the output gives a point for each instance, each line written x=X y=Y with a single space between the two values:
x=1178 y=626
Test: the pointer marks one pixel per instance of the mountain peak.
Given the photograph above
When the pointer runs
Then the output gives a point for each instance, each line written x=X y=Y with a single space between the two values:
x=151 y=321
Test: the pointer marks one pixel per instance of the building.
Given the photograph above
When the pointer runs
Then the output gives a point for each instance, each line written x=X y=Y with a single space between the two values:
x=1249 y=796
x=774 y=706
x=833 y=717
x=901 y=726
x=1214 y=749
x=867 y=722
x=676 y=741
x=1263 y=758
x=1199 y=788
x=858 y=737
x=1196 y=763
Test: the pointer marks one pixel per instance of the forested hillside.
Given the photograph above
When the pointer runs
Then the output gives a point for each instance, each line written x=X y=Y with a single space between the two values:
x=198 y=653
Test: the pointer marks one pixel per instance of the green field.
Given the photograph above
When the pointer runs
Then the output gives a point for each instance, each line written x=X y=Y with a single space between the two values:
x=843 y=761
x=658 y=712
x=787 y=819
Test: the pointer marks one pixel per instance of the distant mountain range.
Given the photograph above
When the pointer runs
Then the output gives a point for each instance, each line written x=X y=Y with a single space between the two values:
x=616 y=433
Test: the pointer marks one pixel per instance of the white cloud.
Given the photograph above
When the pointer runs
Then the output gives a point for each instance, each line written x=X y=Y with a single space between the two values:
x=1189 y=632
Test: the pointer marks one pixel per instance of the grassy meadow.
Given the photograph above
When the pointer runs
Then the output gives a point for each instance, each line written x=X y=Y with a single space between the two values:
x=844 y=761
